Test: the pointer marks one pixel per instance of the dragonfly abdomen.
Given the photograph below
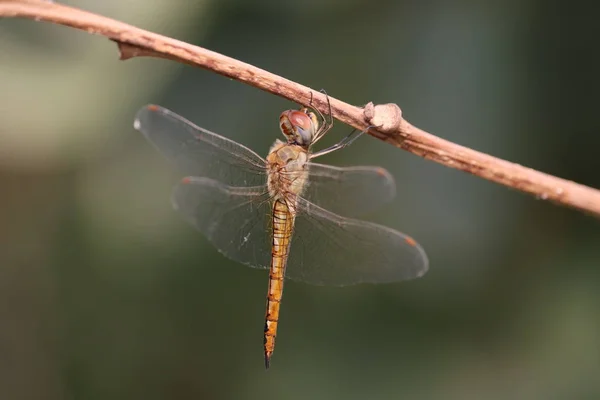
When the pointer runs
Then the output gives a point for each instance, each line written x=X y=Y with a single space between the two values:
x=283 y=223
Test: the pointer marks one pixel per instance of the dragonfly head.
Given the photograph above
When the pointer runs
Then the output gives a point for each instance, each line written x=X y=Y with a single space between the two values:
x=299 y=126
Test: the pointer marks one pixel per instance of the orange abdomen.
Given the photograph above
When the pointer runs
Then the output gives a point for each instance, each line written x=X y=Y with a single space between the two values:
x=283 y=223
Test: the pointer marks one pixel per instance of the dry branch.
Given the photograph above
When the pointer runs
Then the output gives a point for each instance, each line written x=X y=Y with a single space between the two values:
x=392 y=128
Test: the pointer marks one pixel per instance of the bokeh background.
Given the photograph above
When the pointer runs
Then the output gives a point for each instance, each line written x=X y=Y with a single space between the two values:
x=105 y=293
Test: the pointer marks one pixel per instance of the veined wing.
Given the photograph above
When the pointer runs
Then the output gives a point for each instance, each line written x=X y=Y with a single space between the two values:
x=350 y=191
x=236 y=220
x=328 y=249
x=199 y=152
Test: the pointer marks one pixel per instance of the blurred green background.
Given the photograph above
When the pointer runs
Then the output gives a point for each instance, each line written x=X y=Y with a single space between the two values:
x=105 y=293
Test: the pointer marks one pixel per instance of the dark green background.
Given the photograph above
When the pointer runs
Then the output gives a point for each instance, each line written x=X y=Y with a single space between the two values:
x=106 y=294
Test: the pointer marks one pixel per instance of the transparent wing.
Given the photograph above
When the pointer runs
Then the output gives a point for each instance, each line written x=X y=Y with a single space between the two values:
x=196 y=151
x=235 y=220
x=328 y=249
x=350 y=191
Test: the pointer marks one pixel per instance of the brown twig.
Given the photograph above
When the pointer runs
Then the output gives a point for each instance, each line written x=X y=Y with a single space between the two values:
x=390 y=126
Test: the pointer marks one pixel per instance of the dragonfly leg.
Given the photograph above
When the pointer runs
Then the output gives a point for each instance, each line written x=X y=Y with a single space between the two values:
x=326 y=124
x=347 y=141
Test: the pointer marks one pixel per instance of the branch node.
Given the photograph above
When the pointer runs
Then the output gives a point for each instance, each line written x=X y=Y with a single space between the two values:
x=386 y=117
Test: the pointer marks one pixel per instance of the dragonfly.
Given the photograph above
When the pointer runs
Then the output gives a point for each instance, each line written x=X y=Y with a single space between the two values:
x=284 y=213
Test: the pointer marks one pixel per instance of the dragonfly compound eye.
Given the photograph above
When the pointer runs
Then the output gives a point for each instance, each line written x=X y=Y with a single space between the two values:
x=297 y=126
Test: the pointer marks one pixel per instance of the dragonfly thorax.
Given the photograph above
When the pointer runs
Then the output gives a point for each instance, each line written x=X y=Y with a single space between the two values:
x=287 y=170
